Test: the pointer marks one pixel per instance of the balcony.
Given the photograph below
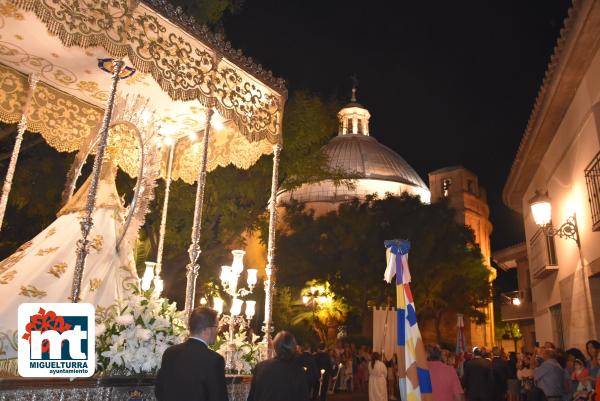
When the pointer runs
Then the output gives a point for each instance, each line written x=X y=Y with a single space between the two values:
x=515 y=307
x=542 y=260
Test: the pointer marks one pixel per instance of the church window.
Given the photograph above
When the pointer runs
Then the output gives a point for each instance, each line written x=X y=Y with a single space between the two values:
x=350 y=127
x=446 y=186
x=360 y=126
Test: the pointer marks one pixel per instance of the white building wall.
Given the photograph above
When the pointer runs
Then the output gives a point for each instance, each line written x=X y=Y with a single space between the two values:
x=561 y=173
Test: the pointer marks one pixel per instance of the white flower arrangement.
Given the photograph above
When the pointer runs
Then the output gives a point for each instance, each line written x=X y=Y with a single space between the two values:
x=132 y=335
x=246 y=354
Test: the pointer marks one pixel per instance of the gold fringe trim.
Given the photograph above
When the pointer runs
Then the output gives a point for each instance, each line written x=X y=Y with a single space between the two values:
x=9 y=367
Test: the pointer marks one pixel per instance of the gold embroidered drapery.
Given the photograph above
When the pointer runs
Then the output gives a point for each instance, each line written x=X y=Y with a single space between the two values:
x=182 y=65
x=181 y=69
x=64 y=121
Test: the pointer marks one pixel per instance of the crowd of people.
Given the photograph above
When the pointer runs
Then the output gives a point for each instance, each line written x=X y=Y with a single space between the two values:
x=348 y=368
x=547 y=373
x=192 y=371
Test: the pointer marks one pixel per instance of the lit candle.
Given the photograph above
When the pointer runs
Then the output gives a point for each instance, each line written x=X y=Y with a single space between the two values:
x=321 y=381
x=218 y=305
x=148 y=275
x=252 y=279
x=158 y=286
x=236 y=307
x=250 y=309
x=237 y=266
x=217 y=121
x=225 y=274
x=168 y=141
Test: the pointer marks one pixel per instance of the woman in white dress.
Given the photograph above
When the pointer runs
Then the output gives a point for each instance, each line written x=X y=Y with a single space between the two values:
x=377 y=379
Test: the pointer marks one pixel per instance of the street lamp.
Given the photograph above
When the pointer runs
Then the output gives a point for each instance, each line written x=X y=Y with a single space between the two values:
x=541 y=209
x=313 y=298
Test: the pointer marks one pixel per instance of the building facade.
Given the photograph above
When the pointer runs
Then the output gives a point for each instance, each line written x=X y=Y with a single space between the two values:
x=560 y=155
x=460 y=187
x=517 y=307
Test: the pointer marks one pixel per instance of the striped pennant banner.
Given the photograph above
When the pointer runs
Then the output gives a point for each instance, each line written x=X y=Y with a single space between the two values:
x=415 y=383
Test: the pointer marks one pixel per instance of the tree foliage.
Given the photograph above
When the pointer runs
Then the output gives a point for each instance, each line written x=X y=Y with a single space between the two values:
x=325 y=312
x=346 y=248
x=209 y=12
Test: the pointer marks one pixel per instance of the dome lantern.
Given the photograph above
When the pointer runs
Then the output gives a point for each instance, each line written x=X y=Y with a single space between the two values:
x=353 y=118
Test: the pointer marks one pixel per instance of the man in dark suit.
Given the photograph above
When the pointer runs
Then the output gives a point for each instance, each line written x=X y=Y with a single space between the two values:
x=306 y=360
x=191 y=371
x=500 y=374
x=280 y=378
x=324 y=364
x=477 y=378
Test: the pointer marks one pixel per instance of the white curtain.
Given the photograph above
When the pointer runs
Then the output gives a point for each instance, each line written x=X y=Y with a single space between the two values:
x=385 y=329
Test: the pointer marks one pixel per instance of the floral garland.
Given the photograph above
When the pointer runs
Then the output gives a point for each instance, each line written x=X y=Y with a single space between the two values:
x=133 y=334
x=246 y=351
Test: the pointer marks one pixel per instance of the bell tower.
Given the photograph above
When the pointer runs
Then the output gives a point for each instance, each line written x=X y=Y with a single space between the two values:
x=461 y=189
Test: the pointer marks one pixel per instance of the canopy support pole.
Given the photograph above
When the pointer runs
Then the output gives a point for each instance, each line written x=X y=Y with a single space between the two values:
x=163 y=219
x=87 y=223
x=33 y=80
x=270 y=269
x=195 y=250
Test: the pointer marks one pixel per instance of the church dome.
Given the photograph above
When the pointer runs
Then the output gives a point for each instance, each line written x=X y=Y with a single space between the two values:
x=366 y=157
x=376 y=169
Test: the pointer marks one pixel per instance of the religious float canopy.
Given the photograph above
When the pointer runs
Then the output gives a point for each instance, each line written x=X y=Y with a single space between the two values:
x=182 y=68
x=176 y=78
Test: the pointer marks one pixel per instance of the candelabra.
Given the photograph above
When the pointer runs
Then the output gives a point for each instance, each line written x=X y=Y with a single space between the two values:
x=152 y=276
x=229 y=279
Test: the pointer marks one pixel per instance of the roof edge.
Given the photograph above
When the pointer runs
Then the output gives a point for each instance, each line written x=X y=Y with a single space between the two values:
x=510 y=252
x=576 y=46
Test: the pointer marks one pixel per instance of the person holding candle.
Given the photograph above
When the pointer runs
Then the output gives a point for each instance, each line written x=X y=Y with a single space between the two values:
x=325 y=366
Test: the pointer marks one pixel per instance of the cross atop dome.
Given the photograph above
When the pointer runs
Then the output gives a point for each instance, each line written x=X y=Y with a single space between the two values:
x=353 y=117
x=354 y=86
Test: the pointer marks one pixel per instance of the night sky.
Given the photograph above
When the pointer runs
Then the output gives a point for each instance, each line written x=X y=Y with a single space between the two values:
x=447 y=83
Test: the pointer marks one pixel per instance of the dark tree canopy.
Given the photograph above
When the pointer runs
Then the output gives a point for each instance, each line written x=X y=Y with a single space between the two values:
x=347 y=249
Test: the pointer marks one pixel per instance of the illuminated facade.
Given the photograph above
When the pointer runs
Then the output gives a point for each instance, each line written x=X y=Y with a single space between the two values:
x=460 y=187
x=560 y=154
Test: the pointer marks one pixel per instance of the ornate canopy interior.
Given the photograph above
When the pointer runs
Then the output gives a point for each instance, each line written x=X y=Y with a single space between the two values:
x=181 y=69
